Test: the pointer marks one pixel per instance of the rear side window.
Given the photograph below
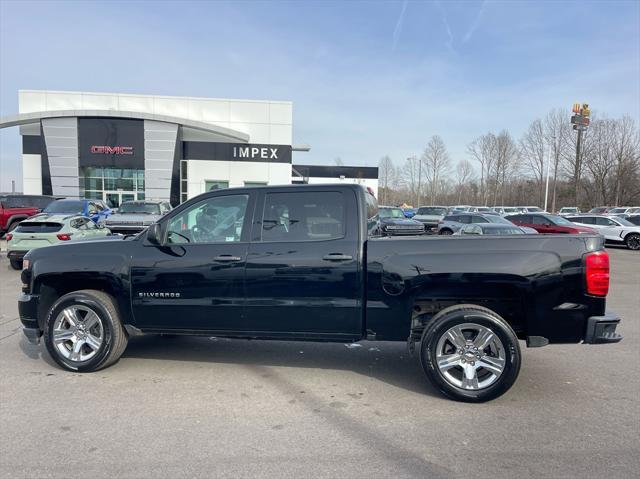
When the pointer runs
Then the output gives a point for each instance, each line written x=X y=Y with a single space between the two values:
x=306 y=216
x=588 y=220
x=37 y=227
x=372 y=205
x=19 y=201
x=541 y=220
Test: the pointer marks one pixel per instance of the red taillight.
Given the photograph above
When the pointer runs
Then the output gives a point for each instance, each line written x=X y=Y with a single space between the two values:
x=597 y=273
x=64 y=236
x=8 y=236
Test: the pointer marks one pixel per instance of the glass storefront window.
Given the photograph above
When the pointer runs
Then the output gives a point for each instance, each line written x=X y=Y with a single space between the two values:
x=114 y=184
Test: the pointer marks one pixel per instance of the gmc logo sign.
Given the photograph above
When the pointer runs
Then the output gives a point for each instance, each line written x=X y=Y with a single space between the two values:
x=112 y=150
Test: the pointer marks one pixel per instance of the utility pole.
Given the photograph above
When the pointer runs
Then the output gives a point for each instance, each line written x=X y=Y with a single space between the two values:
x=417 y=205
x=580 y=121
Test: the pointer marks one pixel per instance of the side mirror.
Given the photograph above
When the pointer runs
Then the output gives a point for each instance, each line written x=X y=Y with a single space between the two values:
x=154 y=234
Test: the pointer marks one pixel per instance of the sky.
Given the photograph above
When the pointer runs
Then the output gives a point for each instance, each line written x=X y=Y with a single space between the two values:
x=366 y=79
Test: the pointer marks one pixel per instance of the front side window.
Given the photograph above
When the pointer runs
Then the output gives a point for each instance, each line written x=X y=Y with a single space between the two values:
x=479 y=219
x=214 y=220
x=605 y=222
x=307 y=216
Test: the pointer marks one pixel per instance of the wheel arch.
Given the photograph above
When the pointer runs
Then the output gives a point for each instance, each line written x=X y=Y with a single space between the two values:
x=50 y=287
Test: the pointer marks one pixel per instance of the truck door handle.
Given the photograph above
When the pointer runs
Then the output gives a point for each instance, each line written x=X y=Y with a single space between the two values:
x=227 y=258
x=337 y=257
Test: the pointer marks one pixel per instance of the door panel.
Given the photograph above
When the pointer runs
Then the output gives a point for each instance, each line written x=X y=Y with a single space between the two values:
x=303 y=271
x=196 y=280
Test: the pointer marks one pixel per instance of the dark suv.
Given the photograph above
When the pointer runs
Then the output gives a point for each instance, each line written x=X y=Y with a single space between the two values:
x=14 y=208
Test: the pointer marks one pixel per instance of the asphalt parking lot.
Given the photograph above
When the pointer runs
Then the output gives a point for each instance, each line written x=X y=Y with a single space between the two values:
x=209 y=407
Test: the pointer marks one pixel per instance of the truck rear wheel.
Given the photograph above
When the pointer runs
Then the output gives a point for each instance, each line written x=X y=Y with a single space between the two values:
x=470 y=353
x=83 y=331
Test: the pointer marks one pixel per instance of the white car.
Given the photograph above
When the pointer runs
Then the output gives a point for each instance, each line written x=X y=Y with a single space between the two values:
x=614 y=229
x=628 y=210
x=569 y=211
x=430 y=216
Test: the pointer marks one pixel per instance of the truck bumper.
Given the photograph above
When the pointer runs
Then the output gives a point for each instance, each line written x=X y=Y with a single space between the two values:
x=28 y=310
x=602 y=329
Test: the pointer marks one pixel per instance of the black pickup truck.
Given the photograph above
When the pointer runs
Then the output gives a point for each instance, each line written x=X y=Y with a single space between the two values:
x=303 y=263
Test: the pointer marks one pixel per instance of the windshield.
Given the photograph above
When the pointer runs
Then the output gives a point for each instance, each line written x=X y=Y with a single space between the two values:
x=65 y=207
x=391 y=213
x=569 y=210
x=534 y=209
x=432 y=211
x=140 y=208
x=618 y=210
x=498 y=219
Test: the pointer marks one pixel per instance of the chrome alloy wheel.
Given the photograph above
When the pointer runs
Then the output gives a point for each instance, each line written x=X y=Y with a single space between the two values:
x=470 y=356
x=78 y=333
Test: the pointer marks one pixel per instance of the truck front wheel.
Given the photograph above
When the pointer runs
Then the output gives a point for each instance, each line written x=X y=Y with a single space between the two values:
x=83 y=331
x=470 y=353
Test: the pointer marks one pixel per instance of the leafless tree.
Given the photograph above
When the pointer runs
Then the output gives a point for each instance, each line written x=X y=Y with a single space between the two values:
x=338 y=161
x=464 y=175
x=533 y=147
x=386 y=173
x=436 y=163
x=482 y=150
x=412 y=176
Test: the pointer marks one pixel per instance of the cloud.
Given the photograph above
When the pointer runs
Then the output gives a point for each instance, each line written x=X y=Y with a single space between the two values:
x=476 y=23
x=447 y=27
x=398 y=30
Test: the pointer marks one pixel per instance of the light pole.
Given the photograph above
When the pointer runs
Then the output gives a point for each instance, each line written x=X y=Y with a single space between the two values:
x=546 y=190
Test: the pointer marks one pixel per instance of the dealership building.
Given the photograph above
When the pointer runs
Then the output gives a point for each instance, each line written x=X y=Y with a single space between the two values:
x=119 y=147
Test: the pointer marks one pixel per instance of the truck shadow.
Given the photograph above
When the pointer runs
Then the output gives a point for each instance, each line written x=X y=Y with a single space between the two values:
x=385 y=361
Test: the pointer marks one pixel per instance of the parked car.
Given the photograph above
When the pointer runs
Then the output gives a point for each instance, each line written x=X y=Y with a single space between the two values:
x=48 y=229
x=97 y=210
x=392 y=222
x=134 y=216
x=295 y=262
x=530 y=209
x=450 y=224
x=624 y=210
x=490 y=229
x=569 y=210
x=599 y=210
x=485 y=210
x=506 y=210
x=614 y=229
x=430 y=216
x=548 y=223
x=409 y=212
x=15 y=208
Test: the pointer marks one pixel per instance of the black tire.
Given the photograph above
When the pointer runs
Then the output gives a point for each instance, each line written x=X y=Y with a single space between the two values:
x=445 y=231
x=632 y=241
x=16 y=263
x=114 y=339
x=469 y=313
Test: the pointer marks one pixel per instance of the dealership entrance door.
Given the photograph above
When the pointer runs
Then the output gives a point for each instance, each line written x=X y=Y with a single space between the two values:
x=115 y=198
